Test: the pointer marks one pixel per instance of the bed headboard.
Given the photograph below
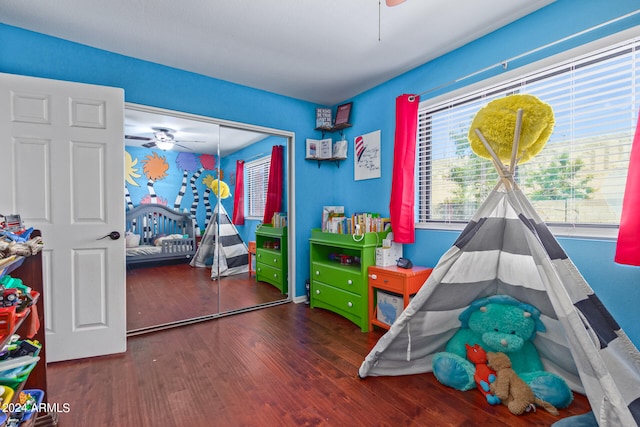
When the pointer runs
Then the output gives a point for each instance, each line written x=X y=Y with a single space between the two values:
x=151 y=220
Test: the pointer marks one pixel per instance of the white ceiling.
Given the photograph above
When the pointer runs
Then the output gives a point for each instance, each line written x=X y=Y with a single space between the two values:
x=321 y=51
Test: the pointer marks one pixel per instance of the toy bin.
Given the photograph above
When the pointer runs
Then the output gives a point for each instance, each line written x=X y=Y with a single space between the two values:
x=13 y=377
x=38 y=396
x=389 y=306
x=6 y=394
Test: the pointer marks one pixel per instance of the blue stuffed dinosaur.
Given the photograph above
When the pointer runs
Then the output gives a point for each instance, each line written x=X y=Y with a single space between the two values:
x=500 y=323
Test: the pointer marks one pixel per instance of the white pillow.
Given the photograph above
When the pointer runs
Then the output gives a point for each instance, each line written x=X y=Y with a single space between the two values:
x=132 y=240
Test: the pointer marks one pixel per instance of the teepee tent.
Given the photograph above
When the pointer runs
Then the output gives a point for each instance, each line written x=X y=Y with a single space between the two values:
x=230 y=253
x=507 y=249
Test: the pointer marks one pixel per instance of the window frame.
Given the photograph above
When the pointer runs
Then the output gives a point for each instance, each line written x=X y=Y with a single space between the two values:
x=601 y=232
x=263 y=163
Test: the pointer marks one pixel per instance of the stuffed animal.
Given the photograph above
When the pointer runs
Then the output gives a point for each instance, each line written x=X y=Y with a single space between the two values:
x=511 y=390
x=500 y=323
x=483 y=375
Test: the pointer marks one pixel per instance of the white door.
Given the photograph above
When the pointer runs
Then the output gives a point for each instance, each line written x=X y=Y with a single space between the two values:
x=62 y=151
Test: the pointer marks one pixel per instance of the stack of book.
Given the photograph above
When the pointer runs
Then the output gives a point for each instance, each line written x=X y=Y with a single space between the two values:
x=334 y=220
x=279 y=219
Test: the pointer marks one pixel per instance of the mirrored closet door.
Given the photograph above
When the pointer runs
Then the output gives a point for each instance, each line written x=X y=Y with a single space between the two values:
x=207 y=172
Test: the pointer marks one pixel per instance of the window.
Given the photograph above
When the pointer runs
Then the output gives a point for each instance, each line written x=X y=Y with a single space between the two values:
x=257 y=180
x=578 y=178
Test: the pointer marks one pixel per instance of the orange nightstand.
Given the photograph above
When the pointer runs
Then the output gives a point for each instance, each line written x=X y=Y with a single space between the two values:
x=252 y=252
x=401 y=281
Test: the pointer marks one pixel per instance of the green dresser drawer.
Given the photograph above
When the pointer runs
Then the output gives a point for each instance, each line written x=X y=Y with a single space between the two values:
x=347 y=278
x=269 y=274
x=345 y=303
x=269 y=257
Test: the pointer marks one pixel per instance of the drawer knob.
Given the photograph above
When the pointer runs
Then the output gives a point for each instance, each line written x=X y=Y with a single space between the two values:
x=317 y=273
x=275 y=260
x=259 y=269
x=350 y=304
x=374 y=277
x=349 y=282
x=275 y=275
x=317 y=291
x=259 y=255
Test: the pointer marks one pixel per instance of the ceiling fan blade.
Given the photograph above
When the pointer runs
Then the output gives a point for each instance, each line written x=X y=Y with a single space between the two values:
x=139 y=138
x=150 y=144
x=183 y=146
x=191 y=142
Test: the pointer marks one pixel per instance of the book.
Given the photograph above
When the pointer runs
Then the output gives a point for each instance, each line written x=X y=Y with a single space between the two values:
x=325 y=149
x=329 y=212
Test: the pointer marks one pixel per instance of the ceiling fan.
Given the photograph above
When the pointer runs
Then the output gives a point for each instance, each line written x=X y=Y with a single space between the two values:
x=163 y=138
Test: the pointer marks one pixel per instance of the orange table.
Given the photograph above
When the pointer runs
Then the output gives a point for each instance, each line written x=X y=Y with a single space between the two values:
x=252 y=252
x=401 y=281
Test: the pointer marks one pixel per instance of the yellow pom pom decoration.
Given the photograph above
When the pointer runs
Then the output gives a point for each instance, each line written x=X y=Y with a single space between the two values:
x=497 y=121
x=224 y=188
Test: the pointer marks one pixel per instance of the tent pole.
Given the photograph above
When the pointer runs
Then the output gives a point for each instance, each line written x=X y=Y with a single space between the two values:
x=502 y=170
x=516 y=141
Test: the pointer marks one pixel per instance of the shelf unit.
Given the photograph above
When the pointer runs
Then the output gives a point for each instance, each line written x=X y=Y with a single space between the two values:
x=337 y=128
x=341 y=286
x=337 y=160
x=29 y=270
x=272 y=256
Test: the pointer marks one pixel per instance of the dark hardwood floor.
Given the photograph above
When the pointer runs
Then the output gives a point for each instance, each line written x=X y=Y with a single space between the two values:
x=169 y=292
x=288 y=365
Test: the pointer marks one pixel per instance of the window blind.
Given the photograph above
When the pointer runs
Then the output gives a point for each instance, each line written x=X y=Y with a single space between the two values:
x=257 y=180
x=578 y=178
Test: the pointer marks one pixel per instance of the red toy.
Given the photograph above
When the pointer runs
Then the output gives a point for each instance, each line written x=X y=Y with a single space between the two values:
x=484 y=375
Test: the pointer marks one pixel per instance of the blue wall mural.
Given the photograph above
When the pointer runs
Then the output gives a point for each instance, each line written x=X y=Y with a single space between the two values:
x=178 y=180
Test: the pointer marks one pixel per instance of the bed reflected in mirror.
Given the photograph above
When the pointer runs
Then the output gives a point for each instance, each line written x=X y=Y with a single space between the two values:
x=192 y=215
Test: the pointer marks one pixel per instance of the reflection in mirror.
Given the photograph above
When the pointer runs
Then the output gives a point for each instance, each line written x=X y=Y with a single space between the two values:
x=197 y=178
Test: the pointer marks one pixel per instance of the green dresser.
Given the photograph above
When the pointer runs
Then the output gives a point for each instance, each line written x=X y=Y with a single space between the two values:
x=339 y=265
x=271 y=256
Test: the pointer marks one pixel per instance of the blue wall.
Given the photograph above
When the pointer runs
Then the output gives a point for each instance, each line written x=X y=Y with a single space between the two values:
x=28 y=53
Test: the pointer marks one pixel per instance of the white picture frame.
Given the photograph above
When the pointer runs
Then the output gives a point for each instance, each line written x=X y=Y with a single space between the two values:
x=312 y=149
x=366 y=156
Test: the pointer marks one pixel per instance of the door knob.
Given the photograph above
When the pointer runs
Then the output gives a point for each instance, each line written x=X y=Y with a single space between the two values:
x=114 y=235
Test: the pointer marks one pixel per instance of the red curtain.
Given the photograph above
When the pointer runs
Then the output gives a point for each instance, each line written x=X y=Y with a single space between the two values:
x=274 y=188
x=402 y=182
x=628 y=246
x=238 y=195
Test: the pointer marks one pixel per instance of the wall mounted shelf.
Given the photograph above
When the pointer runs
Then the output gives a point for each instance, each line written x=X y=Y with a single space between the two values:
x=338 y=128
x=337 y=160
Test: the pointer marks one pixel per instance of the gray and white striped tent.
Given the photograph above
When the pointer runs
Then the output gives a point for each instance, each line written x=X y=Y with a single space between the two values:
x=507 y=249
x=230 y=256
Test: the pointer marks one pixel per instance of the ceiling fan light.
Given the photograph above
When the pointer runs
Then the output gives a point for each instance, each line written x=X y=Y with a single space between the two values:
x=394 y=2
x=164 y=145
